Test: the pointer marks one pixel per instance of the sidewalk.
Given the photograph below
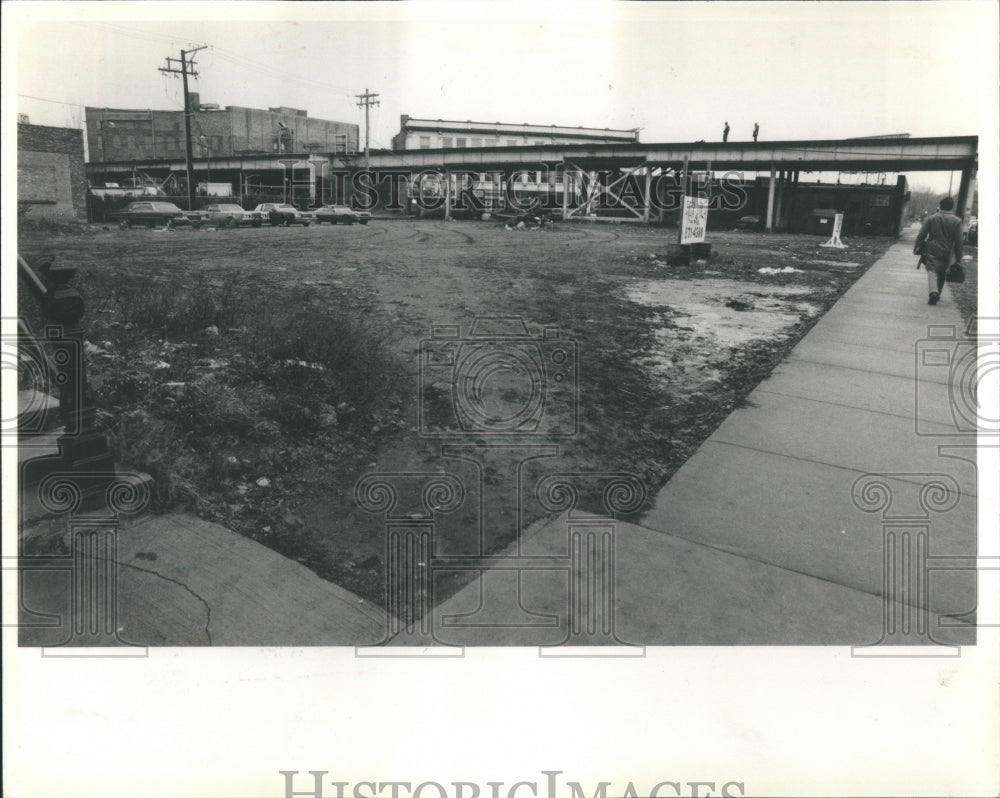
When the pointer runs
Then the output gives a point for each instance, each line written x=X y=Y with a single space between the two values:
x=757 y=538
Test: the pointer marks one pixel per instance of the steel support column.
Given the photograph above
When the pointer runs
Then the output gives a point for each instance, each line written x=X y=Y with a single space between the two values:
x=780 y=195
x=649 y=182
x=447 y=195
x=963 y=204
x=769 y=219
x=565 y=194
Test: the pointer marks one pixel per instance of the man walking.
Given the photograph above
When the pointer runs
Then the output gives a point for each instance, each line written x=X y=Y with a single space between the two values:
x=939 y=237
x=756 y=130
x=725 y=133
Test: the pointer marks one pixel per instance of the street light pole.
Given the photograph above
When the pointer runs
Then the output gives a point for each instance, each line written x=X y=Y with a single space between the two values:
x=101 y=125
x=286 y=163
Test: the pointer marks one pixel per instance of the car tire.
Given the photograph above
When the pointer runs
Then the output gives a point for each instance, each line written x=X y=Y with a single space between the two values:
x=228 y=222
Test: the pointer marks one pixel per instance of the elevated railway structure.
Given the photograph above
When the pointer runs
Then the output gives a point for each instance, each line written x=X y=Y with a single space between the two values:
x=586 y=178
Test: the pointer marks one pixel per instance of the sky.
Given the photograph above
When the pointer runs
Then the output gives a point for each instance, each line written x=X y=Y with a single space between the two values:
x=677 y=72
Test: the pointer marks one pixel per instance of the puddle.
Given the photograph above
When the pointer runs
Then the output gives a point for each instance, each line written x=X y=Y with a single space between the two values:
x=698 y=324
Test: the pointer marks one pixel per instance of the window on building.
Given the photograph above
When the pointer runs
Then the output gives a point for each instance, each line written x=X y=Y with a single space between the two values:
x=460 y=142
x=540 y=141
x=425 y=142
x=491 y=142
x=447 y=141
x=511 y=142
x=477 y=142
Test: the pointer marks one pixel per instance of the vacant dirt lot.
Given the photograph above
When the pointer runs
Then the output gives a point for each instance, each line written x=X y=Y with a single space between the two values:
x=662 y=354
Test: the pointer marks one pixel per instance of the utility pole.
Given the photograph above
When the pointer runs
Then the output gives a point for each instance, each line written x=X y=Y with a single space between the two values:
x=367 y=100
x=186 y=68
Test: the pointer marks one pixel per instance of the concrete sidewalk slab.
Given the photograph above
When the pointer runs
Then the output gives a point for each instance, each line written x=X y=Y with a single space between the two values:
x=186 y=582
x=838 y=435
x=667 y=591
x=863 y=358
x=878 y=393
x=801 y=515
x=889 y=340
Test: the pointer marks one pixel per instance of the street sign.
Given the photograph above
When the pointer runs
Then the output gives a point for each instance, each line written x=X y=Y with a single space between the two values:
x=694 y=219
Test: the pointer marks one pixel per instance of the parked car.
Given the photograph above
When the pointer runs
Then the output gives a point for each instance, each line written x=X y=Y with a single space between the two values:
x=972 y=234
x=341 y=214
x=282 y=213
x=151 y=214
x=231 y=215
x=749 y=223
x=511 y=217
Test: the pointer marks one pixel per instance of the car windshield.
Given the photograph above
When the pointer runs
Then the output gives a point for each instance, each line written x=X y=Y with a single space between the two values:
x=236 y=208
x=164 y=206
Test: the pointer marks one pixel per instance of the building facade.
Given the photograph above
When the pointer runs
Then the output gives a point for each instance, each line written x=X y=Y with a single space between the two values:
x=433 y=134
x=51 y=175
x=116 y=135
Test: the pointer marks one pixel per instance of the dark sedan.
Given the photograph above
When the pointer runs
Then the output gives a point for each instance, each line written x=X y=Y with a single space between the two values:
x=284 y=214
x=150 y=214
x=338 y=214
x=229 y=214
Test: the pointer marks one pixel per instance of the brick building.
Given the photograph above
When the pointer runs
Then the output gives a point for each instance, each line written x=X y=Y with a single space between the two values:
x=117 y=135
x=432 y=134
x=51 y=176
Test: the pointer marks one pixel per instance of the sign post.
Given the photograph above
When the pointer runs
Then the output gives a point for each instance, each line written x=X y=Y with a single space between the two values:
x=838 y=223
x=694 y=220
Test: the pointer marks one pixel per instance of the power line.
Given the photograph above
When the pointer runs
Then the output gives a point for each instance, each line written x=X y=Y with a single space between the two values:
x=47 y=100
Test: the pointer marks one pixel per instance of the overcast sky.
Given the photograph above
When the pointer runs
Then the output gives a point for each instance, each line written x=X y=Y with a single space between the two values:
x=676 y=71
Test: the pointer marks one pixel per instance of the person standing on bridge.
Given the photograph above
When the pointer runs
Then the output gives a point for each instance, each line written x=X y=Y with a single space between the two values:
x=939 y=237
x=725 y=133
x=756 y=130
